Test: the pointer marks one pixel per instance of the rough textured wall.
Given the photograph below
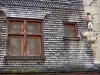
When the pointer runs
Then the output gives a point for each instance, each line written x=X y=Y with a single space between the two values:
x=93 y=7
x=61 y=56
x=3 y=36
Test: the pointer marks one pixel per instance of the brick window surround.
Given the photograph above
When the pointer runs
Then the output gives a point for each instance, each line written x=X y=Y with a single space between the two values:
x=25 y=39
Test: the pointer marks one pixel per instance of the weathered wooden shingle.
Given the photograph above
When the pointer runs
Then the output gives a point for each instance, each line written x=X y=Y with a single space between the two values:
x=61 y=56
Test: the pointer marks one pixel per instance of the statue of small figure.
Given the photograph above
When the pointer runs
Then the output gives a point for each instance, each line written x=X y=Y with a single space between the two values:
x=89 y=21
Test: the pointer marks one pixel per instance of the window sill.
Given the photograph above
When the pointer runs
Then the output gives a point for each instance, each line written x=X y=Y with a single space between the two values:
x=24 y=57
x=71 y=38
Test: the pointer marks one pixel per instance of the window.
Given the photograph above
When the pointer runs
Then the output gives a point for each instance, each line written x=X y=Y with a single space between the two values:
x=69 y=29
x=70 y=32
x=24 y=37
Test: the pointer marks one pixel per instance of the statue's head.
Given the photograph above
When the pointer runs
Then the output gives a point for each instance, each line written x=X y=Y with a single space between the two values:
x=88 y=13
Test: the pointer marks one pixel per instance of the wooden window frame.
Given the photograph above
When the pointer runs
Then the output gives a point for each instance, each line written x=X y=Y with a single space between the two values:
x=74 y=25
x=24 y=34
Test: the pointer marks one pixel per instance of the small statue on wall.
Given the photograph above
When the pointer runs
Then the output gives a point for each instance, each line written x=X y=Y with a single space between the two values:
x=89 y=21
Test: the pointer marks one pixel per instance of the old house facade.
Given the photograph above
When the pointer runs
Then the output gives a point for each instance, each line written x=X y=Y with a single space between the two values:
x=43 y=36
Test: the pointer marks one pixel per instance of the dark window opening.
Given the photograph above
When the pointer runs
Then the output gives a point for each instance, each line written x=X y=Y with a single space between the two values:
x=70 y=32
x=69 y=29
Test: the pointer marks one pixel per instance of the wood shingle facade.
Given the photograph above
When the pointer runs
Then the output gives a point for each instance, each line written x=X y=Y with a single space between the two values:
x=53 y=51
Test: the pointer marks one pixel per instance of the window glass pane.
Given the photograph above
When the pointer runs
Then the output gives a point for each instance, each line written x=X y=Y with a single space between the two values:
x=15 y=46
x=15 y=27
x=33 y=46
x=33 y=27
x=68 y=31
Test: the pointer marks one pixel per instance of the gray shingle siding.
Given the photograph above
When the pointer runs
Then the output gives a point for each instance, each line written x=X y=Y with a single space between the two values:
x=61 y=56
